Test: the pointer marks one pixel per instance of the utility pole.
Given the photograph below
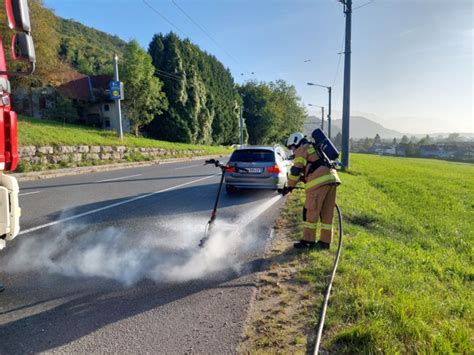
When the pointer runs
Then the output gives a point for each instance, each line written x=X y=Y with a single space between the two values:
x=347 y=85
x=116 y=79
x=322 y=118
x=329 y=113
x=322 y=114
x=241 y=125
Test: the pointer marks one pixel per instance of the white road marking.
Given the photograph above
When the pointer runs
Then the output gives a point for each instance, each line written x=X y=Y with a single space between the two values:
x=120 y=178
x=29 y=193
x=188 y=167
x=110 y=206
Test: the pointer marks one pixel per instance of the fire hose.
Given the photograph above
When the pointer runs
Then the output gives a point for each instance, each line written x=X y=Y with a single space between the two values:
x=322 y=314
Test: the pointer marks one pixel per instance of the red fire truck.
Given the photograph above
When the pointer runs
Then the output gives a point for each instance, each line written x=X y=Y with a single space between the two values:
x=22 y=49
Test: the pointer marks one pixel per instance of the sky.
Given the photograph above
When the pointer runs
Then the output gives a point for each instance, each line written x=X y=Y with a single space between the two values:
x=412 y=60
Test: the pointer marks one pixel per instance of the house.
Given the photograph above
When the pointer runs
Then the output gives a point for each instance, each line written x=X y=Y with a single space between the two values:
x=383 y=149
x=90 y=96
x=437 y=151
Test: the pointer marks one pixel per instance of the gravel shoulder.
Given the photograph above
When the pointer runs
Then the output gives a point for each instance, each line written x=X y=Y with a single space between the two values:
x=281 y=318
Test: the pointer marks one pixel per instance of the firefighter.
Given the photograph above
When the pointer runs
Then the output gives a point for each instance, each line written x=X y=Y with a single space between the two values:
x=321 y=181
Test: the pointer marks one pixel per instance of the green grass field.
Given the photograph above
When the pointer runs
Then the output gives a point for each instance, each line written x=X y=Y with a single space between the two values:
x=40 y=132
x=405 y=280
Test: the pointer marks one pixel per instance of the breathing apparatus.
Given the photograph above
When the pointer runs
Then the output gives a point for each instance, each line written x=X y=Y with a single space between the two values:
x=325 y=148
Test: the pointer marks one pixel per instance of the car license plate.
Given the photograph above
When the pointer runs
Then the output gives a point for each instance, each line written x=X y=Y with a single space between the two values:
x=252 y=170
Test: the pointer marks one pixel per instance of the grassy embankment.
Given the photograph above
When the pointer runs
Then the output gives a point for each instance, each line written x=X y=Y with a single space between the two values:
x=405 y=280
x=40 y=132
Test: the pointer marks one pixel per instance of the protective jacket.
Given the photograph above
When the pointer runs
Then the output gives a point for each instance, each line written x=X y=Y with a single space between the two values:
x=320 y=183
x=305 y=156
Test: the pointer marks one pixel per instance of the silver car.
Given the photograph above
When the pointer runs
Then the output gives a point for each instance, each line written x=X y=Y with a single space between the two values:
x=257 y=167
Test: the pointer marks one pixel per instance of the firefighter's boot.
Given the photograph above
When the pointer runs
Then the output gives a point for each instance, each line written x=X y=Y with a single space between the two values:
x=304 y=244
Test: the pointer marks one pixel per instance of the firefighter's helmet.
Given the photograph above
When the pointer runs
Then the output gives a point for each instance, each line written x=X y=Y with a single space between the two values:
x=294 y=139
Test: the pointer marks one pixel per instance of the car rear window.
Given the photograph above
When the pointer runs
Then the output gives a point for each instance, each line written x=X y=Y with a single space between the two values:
x=252 y=155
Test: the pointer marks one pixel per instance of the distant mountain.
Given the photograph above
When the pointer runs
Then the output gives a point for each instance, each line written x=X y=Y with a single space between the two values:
x=311 y=124
x=361 y=127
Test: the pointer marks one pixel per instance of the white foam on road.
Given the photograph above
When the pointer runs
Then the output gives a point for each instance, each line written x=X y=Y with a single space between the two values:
x=169 y=254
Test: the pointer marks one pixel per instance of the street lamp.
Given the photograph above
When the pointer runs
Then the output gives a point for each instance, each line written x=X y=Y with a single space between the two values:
x=329 y=106
x=241 y=122
x=322 y=114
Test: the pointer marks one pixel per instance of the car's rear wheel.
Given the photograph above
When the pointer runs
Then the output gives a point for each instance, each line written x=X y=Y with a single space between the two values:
x=230 y=189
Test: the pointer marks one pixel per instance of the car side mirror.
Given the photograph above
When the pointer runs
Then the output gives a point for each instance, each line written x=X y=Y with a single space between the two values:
x=18 y=15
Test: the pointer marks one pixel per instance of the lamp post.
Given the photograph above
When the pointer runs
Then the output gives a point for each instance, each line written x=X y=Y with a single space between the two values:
x=329 y=105
x=322 y=114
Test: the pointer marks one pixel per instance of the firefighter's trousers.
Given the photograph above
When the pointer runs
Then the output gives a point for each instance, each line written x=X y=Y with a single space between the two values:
x=319 y=206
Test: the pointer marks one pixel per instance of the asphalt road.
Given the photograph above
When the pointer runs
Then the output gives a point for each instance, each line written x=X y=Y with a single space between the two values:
x=108 y=262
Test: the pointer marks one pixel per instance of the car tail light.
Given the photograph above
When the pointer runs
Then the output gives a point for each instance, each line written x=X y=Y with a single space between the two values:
x=273 y=169
x=229 y=169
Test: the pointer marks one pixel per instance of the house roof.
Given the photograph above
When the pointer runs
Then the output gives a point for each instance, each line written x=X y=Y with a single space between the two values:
x=100 y=81
x=81 y=88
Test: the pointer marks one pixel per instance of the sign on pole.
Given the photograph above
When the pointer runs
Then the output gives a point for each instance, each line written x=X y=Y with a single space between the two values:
x=115 y=90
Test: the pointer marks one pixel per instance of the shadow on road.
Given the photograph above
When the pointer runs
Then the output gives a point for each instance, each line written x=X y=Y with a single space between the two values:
x=114 y=181
x=182 y=201
x=86 y=314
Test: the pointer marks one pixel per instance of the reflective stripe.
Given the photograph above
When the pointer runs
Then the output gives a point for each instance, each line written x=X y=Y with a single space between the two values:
x=293 y=177
x=311 y=150
x=321 y=180
x=300 y=160
x=326 y=226
x=309 y=225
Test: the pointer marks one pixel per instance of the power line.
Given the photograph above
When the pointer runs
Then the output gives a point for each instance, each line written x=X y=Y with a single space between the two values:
x=367 y=3
x=164 y=18
x=338 y=61
x=207 y=34
x=174 y=75
x=167 y=76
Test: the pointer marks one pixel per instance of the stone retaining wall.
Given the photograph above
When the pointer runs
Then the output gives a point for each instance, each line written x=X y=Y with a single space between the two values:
x=75 y=154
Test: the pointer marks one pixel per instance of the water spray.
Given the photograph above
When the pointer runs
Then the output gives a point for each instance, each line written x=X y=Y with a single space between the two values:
x=210 y=223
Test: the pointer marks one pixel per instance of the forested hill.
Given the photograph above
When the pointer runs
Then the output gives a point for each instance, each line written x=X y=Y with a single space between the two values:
x=87 y=49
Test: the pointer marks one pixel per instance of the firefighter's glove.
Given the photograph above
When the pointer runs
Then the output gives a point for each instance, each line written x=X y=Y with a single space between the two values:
x=286 y=190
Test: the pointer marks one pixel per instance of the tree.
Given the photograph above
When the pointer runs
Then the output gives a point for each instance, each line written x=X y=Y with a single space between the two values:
x=203 y=100
x=63 y=110
x=394 y=141
x=453 y=137
x=426 y=140
x=368 y=143
x=144 y=97
x=377 y=139
x=272 y=111
x=405 y=140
